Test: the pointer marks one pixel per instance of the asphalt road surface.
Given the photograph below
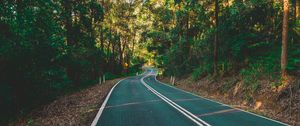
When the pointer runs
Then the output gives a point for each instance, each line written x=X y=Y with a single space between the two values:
x=144 y=101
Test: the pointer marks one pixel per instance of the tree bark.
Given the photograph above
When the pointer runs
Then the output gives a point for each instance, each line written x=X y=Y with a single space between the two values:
x=112 y=59
x=103 y=61
x=297 y=9
x=72 y=73
x=284 y=38
x=68 y=21
x=102 y=38
x=215 y=55
x=120 y=52
x=109 y=49
x=188 y=34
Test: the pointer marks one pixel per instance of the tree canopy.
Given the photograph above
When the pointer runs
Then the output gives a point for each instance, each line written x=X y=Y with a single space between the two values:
x=48 y=48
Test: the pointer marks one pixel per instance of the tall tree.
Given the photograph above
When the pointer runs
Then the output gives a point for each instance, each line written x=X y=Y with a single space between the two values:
x=68 y=21
x=297 y=8
x=216 y=37
x=284 y=38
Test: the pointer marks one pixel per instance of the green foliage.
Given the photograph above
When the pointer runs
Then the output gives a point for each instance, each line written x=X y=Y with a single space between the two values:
x=276 y=84
x=110 y=76
x=249 y=44
x=264 y=68
x=201 y=72
x=197 y=74
x=49 y=48
x=248 y=98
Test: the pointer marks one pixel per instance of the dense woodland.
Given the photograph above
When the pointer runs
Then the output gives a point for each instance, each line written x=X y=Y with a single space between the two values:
x=49 y=48
x=224 y=37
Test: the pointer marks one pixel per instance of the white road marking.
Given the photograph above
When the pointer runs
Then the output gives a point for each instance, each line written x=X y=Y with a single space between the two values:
x=222 y=103
x=170 y=103
x=104 y=104
x=188 y=114
x=96 y=119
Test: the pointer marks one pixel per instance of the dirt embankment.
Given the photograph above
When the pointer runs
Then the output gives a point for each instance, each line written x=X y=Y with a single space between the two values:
x=265 y=100
x=77 y=109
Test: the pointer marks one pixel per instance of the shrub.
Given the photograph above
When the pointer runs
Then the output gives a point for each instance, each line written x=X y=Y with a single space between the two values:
x=201 y=71
x=255 y=71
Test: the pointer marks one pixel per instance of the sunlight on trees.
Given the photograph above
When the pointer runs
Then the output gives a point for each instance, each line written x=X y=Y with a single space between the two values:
x=51 y=47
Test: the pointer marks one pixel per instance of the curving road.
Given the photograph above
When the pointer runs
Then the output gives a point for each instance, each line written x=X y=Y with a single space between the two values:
x=144 y=101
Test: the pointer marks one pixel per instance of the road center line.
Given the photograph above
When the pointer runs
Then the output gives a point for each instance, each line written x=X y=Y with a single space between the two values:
x=188 y=114
x=220 y=103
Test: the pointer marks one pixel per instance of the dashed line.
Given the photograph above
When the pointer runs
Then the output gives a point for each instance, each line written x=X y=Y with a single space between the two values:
x=222 y=103
x=132 y=103
x=218 y=112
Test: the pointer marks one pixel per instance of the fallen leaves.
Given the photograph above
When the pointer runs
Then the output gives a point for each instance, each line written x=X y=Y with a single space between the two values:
x=76 y=109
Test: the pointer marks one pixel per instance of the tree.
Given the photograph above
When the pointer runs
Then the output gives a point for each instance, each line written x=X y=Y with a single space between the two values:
x=284 y=56
x=216 y=37
x=297 y=8
x=58 y=46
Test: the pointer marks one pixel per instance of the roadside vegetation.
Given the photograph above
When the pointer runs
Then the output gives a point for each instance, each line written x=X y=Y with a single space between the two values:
x=248 y=47
x=77 y=108
x=52 y=48
x=221 y=38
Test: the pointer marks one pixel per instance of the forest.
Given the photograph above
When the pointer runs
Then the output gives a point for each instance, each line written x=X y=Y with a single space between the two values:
x=51 y=48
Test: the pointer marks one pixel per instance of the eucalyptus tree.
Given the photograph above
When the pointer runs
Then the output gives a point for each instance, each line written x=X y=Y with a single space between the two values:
x=285 y=28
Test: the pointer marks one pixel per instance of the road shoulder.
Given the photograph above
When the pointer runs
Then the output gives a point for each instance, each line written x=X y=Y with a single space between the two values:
x=78 y=108
x=211 y=93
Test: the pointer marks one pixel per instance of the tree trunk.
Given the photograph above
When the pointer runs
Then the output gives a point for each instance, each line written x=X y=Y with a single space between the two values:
x=188 y=35
x=92 y=27
x=102 y=38
x=284 y=38
x=113 y=59
x=133 y=44
x=297 y=9
x=109 y=56
x=128 y=62
x=113 y=55
x=68 y=21
x=215 y=57
x=120 y=52
x=103 y=61
x=72 y=73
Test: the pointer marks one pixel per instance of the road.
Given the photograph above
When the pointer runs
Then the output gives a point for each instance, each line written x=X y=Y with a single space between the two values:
x=144 y=101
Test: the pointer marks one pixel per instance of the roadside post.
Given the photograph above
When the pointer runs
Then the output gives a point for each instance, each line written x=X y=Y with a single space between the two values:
x=99 y=79
x=173 y=82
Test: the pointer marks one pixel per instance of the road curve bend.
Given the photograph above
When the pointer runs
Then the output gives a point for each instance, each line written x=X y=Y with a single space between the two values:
x=144 y=101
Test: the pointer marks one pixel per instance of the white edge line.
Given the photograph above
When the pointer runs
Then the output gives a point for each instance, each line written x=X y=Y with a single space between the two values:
x=104 y=104
x=198 y=123
x=96 y=119
x=222 y=103
x=174 y=105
